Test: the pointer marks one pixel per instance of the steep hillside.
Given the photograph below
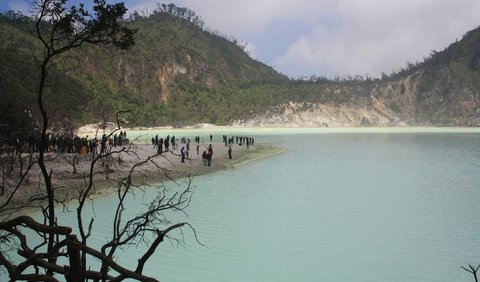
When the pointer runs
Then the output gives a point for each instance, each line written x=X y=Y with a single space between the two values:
x=180 y=74
x=443 y=90
x=19 y=66
x=177 y=73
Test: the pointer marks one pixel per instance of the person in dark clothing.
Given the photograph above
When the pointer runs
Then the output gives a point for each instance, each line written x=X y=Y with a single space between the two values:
x=160 y=146
x=204 y=157
x=155 y=141
x=167 y=143
x=172 y=140
x=209 y=155
x=230 y=152
x=182 y=153
x=103 y=144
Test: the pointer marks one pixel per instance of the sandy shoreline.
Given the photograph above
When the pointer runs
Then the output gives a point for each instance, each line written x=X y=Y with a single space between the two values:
x=68 y=184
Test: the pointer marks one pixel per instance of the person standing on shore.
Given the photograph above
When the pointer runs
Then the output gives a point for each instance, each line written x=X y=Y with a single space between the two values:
x=230 y=152
x=167 y=143
x=204 y=158
x=172 y=140
x=209 y=155
x=182 y=153
x=160 y=146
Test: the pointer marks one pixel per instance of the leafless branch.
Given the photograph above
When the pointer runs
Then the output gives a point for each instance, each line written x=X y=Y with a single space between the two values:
x=473 y=270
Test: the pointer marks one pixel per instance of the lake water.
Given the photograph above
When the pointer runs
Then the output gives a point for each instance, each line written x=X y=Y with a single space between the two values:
x=355 y=205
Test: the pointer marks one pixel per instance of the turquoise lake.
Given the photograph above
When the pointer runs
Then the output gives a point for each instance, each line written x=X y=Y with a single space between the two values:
x=337 y=205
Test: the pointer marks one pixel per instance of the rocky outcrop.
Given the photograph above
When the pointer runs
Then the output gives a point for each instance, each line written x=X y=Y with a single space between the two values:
x=166 y=76
x=324 y=115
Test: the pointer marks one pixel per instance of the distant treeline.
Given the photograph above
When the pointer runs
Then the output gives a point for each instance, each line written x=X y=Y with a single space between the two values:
x=187 y=15
x=171 y=9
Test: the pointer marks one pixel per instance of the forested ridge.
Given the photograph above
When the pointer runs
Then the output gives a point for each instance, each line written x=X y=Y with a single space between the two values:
x=181 y=73
x=177 y=73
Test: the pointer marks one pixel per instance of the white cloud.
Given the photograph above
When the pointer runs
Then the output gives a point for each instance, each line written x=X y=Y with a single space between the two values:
x=377 y=36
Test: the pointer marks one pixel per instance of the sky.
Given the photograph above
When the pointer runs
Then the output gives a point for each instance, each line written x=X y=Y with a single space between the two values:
x=328 y=38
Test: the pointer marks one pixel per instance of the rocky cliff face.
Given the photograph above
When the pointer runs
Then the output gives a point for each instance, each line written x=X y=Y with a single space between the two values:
x=438 y=97
x=444 y=90
x=306 y=114
x=420 y=98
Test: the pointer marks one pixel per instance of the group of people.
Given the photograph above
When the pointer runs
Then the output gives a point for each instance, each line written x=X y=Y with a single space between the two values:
x=207 y=156
x=163 y=144
x=239 y=140
x=71 y=143
x=66 y=143
x=91 y=146
x=171 y=143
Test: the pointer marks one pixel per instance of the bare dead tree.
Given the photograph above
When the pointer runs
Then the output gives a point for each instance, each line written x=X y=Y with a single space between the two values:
x=473 y=270
x=12 y=181
x=43 y=247
x=143 y=226
x=139 y=229
x=61 y=30
x=72 y=159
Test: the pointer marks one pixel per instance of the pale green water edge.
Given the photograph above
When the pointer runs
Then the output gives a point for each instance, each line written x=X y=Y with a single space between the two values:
x=340 y=204
x=179 y=132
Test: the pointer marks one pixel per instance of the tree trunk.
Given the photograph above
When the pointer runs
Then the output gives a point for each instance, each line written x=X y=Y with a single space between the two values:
x=76 y=271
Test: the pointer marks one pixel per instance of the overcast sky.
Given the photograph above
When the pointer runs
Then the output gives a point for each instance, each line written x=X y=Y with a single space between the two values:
x=329 y=37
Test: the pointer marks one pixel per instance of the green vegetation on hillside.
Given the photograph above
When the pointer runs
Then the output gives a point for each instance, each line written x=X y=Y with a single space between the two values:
x=179 y=73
